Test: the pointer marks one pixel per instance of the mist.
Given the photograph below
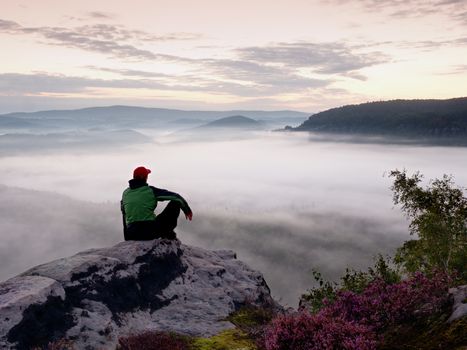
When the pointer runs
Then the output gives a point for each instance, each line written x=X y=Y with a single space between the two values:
x=286 y=203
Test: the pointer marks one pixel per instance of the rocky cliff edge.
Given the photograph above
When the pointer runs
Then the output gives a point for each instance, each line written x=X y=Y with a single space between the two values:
x=96 y=296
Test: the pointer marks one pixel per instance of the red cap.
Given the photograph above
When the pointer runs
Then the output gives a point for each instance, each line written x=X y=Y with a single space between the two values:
x=141 y=173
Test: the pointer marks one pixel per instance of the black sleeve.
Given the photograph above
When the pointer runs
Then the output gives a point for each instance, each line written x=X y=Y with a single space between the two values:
x=164 y=195
x=125 y=230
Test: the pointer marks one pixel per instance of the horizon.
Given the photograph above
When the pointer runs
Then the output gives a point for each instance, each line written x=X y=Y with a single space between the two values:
x=300 y=56
x=162 y=108
x=230 y=110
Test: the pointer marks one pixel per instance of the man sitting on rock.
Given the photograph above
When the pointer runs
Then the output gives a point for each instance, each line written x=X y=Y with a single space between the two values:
x=139 y=201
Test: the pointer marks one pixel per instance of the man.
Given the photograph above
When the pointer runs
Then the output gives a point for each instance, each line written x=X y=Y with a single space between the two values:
x=138 y=203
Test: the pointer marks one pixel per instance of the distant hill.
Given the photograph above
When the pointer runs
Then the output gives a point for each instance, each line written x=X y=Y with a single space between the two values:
x=432 y=119
x=187 y=121
x=133 y=117
x=235 y=122
x=11 y=123
x=89 y=140
x=229 y=128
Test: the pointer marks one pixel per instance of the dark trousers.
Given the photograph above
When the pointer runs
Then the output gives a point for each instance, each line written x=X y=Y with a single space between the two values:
x=162 y=227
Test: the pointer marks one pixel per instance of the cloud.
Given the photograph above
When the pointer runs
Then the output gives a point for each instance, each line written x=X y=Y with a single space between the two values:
x=326 y=58
x=131 y=72
x=250 y=72
x=112 y=40
x=278 y=67
x=100 y=15
x=462 y=41
x=356 y=76
x=41 y=91
x=453 y=9
x=217 y=76
x=17 y=84
x=10 y=26
x=251 y=62
x=97 y=38
x=252 y=76
x=431 y=44
x=457 y=69
x=11 y=83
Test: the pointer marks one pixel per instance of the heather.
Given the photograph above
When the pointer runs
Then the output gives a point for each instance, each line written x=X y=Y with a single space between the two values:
x=353 y=280
x=359 y=320
x=304 y=331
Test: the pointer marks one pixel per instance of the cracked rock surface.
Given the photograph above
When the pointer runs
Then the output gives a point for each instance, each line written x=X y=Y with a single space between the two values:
x=98 y=295
x=459 y=307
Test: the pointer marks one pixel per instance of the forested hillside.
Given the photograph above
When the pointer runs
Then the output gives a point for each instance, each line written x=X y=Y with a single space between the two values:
x=400 y=118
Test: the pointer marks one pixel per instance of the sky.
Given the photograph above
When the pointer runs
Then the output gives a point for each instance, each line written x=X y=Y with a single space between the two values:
x=306 y=55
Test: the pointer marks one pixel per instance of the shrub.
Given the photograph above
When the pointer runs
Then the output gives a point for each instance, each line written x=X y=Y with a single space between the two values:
x=438 y=216
x=316 y=297
x=357 y=281
x=381 y=304
x=354 y=281
x=359 y=320
x=304 y=331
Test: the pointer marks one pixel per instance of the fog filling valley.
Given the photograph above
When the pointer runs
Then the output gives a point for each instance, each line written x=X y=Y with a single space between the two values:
x=287 y=203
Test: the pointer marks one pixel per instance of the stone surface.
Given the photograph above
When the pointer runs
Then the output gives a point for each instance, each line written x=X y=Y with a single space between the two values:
x=98 y=295
x=18 y=293
x=459 y=307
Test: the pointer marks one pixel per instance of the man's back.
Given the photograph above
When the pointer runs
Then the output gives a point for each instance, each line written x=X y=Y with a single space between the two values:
x=138 y=203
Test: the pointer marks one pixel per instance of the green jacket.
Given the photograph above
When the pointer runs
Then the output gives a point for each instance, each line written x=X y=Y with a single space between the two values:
x=139 y=201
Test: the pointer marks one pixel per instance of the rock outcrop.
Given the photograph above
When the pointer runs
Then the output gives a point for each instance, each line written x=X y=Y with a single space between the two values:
x=98 y=295
x=459 y=307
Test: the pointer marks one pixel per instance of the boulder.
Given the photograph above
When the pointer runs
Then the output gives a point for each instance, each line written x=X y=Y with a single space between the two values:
x=96 y=296
x=459 y=306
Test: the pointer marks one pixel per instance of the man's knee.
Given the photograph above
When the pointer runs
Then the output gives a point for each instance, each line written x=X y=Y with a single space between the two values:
x=172 y=210
x=174 y=205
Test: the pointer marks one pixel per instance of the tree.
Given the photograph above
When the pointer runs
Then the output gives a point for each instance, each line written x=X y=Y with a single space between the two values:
x=438 y=215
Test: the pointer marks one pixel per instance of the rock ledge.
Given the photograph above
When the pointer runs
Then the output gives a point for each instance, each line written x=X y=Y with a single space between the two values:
x=98 y=295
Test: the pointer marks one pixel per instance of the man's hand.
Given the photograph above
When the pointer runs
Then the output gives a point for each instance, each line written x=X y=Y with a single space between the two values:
x=189 y=216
